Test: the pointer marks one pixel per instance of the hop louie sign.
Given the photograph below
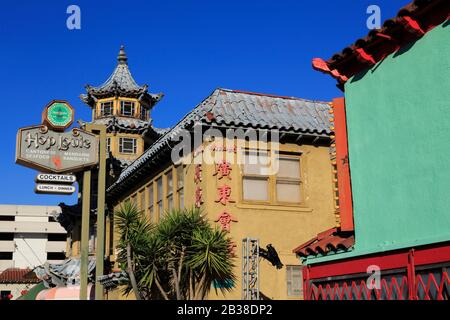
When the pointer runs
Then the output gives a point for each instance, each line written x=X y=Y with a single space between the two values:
x=48 y=148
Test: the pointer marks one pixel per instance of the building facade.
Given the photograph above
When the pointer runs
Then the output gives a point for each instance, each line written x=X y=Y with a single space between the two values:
x=276 y=205
x=400 y=176
x=30 y=236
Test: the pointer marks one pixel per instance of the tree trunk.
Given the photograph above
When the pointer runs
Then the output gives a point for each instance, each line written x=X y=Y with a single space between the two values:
x=200 y=294
x=131 y=274
x=191 y=285
x=164 y=294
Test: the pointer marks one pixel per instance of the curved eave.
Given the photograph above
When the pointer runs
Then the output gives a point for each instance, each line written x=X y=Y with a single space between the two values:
x=411 y=23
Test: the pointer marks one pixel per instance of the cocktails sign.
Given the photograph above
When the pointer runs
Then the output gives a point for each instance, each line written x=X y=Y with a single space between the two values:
x=57 y=152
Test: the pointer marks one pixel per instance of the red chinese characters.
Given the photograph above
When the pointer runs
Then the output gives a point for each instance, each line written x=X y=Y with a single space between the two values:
x=224 y=194
x=223 y=169
x=198 y=173
x=198 y=197
x=225 y=219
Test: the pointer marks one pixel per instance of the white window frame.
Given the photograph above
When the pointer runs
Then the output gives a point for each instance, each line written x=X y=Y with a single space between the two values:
x=127 y=151
x=102 y=108
x=127 y=104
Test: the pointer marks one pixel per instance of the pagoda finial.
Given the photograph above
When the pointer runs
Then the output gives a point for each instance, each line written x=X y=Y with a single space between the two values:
x=122 y=57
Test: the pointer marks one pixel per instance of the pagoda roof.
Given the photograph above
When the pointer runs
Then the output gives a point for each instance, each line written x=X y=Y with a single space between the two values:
x=120 y=84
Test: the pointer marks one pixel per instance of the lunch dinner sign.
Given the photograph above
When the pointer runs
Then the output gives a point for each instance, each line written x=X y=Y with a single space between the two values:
x=48 y=148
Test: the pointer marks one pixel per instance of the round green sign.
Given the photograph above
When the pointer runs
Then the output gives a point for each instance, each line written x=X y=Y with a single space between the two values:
x=59 y=114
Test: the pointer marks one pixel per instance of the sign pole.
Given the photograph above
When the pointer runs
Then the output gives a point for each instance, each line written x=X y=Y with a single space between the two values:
x=85 y=216
x=100 y=248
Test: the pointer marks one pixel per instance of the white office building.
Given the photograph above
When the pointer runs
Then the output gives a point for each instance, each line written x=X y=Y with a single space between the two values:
x=30 y=236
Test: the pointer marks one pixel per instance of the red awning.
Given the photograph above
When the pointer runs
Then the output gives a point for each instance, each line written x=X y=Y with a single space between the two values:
x=331 y=240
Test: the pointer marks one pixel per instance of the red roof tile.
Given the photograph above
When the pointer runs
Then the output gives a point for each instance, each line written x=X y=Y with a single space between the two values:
x=411 y=23
x=15 y=275
x=325 y=242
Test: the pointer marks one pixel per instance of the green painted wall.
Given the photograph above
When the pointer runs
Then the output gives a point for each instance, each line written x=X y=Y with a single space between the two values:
x=398 y=118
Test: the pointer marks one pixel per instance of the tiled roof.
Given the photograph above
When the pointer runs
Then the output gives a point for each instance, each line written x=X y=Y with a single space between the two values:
x=325 y=242
x=15 y=275
x=263 y=111
x=66 y=273
x=244 y=109
x=411 y=23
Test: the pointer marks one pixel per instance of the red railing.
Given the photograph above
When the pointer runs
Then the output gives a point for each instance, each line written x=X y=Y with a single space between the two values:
x=432 y=285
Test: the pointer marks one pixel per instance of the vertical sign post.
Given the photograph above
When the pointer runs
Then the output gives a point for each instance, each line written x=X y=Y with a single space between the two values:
x=85 y=217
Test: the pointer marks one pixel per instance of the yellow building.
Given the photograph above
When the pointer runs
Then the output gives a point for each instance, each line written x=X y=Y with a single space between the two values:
x=259 y=166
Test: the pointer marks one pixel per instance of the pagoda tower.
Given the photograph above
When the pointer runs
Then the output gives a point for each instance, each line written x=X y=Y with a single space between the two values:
x=125 y=108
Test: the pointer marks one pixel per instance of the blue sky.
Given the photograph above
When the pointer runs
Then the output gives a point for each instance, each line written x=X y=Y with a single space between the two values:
x=184 y=48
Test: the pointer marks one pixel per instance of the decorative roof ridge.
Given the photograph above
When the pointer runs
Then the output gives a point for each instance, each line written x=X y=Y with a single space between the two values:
x=272 y=95
x=412 y=22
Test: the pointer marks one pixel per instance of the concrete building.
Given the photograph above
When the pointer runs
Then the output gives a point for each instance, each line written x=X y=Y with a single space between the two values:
x=30 y=236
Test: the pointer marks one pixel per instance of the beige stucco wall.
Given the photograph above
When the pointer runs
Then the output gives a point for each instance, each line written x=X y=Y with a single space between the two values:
x=283 y=226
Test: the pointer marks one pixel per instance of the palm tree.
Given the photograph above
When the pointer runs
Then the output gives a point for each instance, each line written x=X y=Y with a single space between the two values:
x=180 y=258
x=134 y=232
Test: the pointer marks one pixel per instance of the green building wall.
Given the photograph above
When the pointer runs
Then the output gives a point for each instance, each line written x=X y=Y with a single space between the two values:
x=398 y=122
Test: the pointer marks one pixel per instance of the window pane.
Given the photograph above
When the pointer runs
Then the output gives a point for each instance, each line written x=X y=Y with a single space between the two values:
x=127 y=108
x=160 y=209
x=254 y=161
x=127 y=145
x=255 y=188
x=288 y=191
x=159 y=189
x=294 y=279
x=143 y=113
x=143 y=205
x=170 y=203
x=150 y=195
x=181 y=198
x=289 y=168
x=180 y=177
x=169 y=182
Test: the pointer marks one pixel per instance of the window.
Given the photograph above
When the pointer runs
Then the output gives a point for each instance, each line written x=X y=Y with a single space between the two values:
x=56 y=256
x=5 y=295
x=288 y=179
x=180 y=186
x=294 y=278
x=108 y=145
x=255 y=185
x=270 y=182
x=127 y=108
x=133 y=200
x=106 y=108
x=159 y=196
x=6 y=255
x=56 y=237
x=6 y=236
x=142 y=204
x=150 y=202
x=127 y=145
x=169 y=190
x=7 y=218
x=144 y=113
